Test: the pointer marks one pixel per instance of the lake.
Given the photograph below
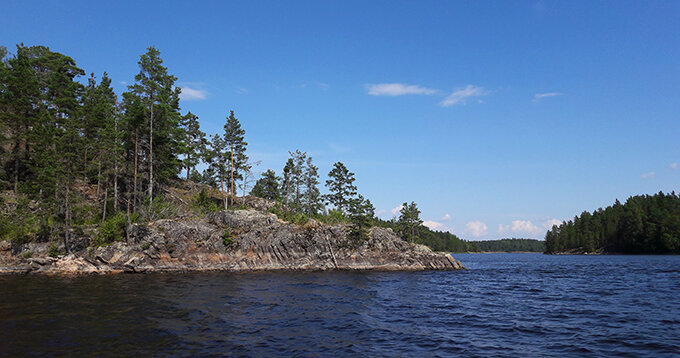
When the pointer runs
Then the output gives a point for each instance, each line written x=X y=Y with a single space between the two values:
x=504 y=305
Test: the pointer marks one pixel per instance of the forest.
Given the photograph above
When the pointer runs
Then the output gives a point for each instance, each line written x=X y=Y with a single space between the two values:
x=644 y=224
x=75 y=156
x=510 y=245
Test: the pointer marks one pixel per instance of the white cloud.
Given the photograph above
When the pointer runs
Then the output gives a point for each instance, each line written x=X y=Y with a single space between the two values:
x=446 y=217
x=476 y=228
x=396 y=210
x=191 y=94
x=522 y=227
x=549 y=223
x=397 y=89
x=649 y=175
x=241 y=90
x=460 y=96
x=433 y=225
x=502 y=229
x=539 y=96
x=525 y=227
x=674 y=166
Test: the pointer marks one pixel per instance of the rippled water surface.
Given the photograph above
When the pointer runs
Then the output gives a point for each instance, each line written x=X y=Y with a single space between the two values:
x=504 y=305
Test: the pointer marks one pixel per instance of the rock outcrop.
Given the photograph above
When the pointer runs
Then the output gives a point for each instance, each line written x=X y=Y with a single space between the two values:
x=241 y=240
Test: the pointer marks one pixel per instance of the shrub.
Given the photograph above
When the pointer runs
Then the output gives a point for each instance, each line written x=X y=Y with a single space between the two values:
x=111 y=230
x=226 y=238
x=54 y=250
x=27 y=254
x=287 y=215
x=205 y=203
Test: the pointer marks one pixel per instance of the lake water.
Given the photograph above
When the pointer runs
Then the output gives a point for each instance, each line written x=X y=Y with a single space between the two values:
x=504 y=305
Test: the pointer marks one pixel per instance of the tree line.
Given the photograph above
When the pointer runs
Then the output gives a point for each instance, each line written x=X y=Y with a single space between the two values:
x=643 y=225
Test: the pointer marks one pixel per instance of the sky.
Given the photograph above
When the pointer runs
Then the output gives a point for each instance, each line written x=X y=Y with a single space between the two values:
x=497 y=118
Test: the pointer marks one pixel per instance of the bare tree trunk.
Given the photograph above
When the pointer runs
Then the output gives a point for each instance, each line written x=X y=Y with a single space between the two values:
x=67 y=221
x=85 y=166
x=151 y=156
x=134 y=192
x=115 y=187
x=219 y=158
x=127 y=227
x=99 y=174
x=16 y=174
x=232 y=173
x=106 y=198
x=115 y=173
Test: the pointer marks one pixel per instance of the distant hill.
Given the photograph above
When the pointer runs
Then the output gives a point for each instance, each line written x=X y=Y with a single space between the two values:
x=510 y=245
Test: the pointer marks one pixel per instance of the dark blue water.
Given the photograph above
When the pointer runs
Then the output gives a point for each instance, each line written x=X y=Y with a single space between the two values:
x=504 y=305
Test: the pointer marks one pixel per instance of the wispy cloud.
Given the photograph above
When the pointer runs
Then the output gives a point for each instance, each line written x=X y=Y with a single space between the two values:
x=674 y=166
x=241 y=90
x=649 y=175
x=446 y=217
x=476 y=228
x=193 y=94
x=460 y=96
x=539 y=96
x=397 y=89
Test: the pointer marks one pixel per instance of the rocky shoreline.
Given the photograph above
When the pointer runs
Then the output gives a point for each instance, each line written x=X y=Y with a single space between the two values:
x=241 y=240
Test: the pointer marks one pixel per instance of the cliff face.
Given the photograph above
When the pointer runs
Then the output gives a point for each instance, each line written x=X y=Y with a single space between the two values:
x=241 y=240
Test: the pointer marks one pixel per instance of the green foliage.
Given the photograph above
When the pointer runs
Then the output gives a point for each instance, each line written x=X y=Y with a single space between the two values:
x=341 y=185
x=146 y=245
x=205 y=203
x=511 y=245
x=361 y=213
x=409 y=221
x=289 y=215
x=334 y=216
x=436 y=240
x=156 y=210
x=226 y=238
x=54 y=250
x=27 y=254
x=267 y=187
x=643 y=225
x=113 y=229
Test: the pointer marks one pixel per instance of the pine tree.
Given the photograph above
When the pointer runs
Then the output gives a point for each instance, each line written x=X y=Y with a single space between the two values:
x=310 y=181
x=287 y=181
x=409 y=221
x=361 y=213
x=217 y=158
x=267 y=186
x=156 y=90
x=235 y=144
x=194 y=142
x=297 y=177
x=341 y=186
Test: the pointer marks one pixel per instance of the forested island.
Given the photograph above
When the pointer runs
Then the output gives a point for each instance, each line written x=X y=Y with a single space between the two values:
x=83 y=169
x=644 y=224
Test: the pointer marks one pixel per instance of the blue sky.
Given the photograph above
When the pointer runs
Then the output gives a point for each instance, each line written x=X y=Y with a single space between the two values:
x=498 y=118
